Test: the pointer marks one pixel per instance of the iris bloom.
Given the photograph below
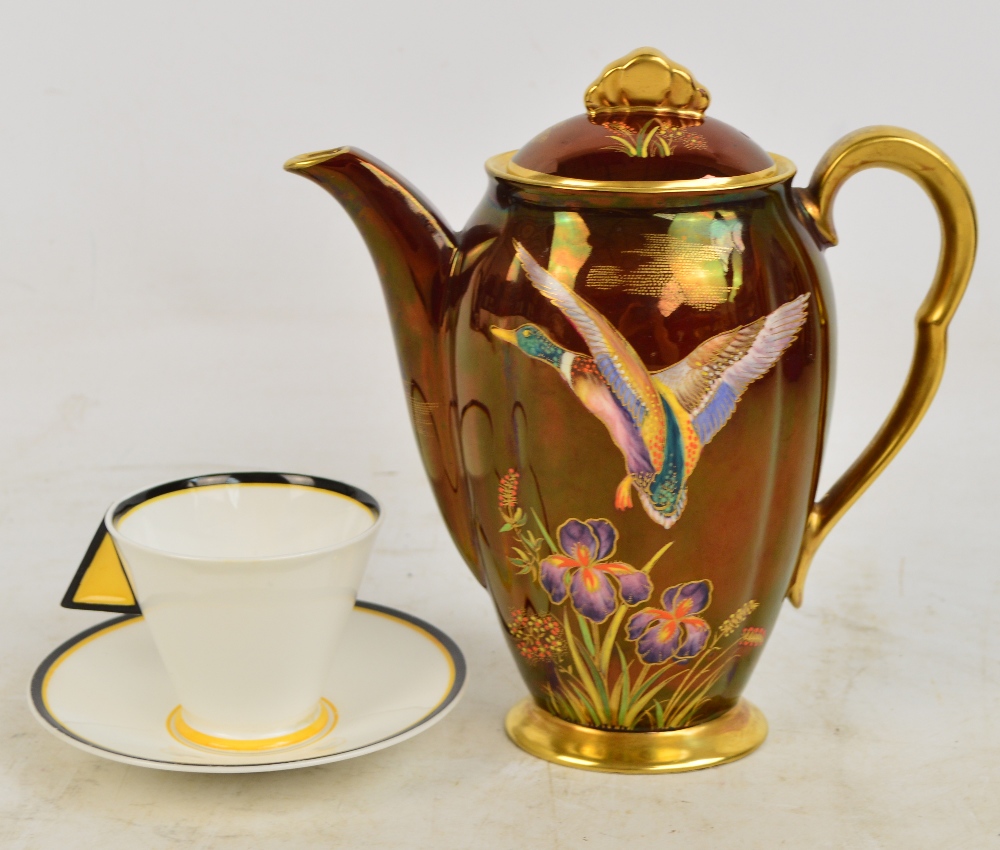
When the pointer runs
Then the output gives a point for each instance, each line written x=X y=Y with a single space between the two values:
x=584 y=571
x=673 y=631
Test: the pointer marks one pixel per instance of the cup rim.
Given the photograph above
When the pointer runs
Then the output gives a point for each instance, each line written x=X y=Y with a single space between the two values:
x=133 y=500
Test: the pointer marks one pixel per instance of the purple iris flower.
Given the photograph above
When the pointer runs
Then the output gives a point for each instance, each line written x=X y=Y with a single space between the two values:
x=674 y=631
x=584 y=571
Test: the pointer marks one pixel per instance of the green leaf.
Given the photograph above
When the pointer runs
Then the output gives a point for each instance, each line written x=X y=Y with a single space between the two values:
x=644 y=695
x=703 y=664
x=609 y=637
x=578 y=665
x=545 y=533
x=585 y=633
x=616 y=697
x=601 y=687
x=506 y=527
x=687 y=677
x=683 y=713
x=644 y=150
x=591 y=708
x=624 y=682
x=567 y=705
x=652 y=561
x=628 y=146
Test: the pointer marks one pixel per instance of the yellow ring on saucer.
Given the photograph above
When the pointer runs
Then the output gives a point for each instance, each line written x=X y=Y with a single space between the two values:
x=324 y=723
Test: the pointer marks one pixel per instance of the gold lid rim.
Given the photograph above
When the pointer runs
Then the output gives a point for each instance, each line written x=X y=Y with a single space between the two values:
x=502 y=167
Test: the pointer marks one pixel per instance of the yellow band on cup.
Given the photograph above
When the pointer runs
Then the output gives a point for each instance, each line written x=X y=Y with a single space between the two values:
x=184 y=733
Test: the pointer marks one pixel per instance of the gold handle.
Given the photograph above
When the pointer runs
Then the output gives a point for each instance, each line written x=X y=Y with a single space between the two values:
x=913 y=155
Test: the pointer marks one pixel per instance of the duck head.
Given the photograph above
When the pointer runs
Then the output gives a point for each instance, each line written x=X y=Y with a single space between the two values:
x=533 y=341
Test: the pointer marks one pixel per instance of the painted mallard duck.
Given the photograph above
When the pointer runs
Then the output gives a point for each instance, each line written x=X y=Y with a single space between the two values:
x=660 y=421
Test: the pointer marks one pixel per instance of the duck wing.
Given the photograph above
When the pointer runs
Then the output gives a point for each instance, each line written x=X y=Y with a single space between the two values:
x=616 y=360
x=592 y=390
x=711 y=379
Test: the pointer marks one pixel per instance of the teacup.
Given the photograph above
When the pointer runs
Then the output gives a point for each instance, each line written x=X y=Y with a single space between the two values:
x=246 y=581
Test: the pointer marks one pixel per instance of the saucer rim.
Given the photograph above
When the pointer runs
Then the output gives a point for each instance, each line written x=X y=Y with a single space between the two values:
x=449 y=648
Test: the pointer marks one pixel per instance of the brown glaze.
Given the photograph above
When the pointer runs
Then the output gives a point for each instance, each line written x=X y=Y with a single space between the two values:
x=414 y=252
x=481 y=407
x=615 y=147
x=618 y=376
x=748 y=496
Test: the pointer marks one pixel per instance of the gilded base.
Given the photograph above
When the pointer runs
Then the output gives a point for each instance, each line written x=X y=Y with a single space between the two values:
x=735 y=734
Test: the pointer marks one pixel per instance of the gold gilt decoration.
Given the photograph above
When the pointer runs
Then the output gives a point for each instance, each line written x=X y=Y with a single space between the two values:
x=502 y=167
x=735 y=734
x=698 y=262
x=647 y=81
x=654 y=138
x=423 y=415
x=916 y=157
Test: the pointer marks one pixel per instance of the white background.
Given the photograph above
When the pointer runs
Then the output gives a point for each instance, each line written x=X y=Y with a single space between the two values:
x=173 y=303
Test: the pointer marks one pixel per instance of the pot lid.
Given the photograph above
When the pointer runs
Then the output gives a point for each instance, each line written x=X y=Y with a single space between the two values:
x=645 y=124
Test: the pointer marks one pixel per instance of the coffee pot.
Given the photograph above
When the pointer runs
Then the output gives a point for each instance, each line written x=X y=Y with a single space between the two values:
x=619 y=376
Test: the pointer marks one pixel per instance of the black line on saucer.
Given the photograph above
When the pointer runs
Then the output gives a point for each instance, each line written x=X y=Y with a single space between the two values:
x=458 y=659
x=450 y=647
x=38 y=680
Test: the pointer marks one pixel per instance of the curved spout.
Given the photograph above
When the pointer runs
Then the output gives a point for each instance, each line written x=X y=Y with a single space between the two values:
x=414 y=251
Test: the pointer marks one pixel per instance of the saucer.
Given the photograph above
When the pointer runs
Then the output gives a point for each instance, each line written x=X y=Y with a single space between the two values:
x=106 y=691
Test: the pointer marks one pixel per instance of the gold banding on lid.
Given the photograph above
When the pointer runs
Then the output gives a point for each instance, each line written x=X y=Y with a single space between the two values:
x=647 y=81
x=501 y=166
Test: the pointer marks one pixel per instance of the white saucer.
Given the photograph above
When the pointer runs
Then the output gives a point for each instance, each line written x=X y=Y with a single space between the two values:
x=106 y=692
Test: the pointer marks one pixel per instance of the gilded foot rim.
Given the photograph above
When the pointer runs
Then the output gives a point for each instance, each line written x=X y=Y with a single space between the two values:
x=735 y=734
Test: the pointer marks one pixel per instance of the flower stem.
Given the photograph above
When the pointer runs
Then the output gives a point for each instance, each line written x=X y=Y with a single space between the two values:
x=652 y=561
x=610 y=637
x=545 y=532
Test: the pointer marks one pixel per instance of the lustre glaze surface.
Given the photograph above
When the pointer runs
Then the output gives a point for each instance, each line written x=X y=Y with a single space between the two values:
x=639 y=394
x=618 y=377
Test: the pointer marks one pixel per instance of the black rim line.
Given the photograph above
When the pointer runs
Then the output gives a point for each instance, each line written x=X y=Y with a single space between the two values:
x=218 y=478
x=213 y=480
x=451 y=649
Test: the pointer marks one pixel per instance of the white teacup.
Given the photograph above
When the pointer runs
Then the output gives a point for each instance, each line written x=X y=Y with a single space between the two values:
x=246 y=581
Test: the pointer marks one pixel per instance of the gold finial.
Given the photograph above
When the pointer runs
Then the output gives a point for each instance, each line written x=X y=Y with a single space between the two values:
x=647 y=81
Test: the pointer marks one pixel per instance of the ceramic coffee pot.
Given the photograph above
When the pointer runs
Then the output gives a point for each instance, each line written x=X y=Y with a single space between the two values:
x=619 y=378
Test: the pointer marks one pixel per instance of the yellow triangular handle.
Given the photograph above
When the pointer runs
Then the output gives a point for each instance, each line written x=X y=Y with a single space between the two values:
x=100 y=582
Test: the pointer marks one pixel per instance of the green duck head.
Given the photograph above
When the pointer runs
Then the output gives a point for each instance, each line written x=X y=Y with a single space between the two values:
x=533 y=341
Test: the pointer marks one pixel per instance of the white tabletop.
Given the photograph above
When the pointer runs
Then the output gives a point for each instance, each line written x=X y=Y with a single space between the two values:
x=149 y=332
